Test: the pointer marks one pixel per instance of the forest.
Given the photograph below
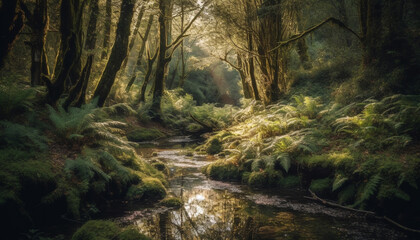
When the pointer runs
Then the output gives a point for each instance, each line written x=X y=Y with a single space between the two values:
x=209 y=119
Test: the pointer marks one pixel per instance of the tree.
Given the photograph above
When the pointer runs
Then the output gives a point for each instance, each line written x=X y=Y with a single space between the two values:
x=107 y=28
x=118 y=53
x=70 y=51
x=38 y=21
x=11 y=18
x=165 y=54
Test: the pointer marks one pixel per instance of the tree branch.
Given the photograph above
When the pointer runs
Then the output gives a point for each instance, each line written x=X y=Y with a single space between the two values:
x=313 y=28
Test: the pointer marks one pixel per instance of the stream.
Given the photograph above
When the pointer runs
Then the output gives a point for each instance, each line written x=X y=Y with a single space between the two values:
x=219 y=210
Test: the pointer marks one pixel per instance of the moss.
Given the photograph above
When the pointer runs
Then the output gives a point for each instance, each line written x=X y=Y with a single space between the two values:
x=132 y=234
x=223 y=170
x=214 y=146
x=172 y=202
x=290 y=181
x=258 y=179
x=144 y=134
x=150 y=188
x=97 y=229
x=321 y=185
x=161 y=167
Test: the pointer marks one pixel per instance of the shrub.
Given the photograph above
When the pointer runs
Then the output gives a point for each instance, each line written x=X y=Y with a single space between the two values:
x=172 y=202
x=144 y=134
x=214 y=147
x=223 y=170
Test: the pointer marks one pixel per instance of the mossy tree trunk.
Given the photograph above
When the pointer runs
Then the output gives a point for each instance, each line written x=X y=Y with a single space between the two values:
x=135 y=32
x=11 y=23
x=162 y=60
x=77 y=95
x=107 y=28
x=71 y=12
x=118 y=53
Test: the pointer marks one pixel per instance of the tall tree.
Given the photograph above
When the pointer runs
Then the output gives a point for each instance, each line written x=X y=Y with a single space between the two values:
x=107 y=28
x=11 y=19
x=38 y=21
x=165 y=54
x=71 y=15
x=118 y=53
x=77 y=95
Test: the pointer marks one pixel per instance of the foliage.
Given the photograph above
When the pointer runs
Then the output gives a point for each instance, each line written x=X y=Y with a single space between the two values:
x=15 y=135
x=172 y=202
x=97 y=229
x=15 y=97
x=149 y=188
x=144 y=134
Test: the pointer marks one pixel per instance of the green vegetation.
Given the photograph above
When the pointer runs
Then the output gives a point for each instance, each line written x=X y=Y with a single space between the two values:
x=106 y=230
x=363 y=154
x=172 y=202
x=143 y=134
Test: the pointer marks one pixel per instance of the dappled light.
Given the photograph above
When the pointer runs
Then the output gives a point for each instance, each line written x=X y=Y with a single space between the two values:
x=209 y=119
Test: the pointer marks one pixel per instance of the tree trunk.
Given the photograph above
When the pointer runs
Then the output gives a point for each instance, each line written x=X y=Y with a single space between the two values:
x=118 y=53
x=107 y=28
x=150 y=62
x=134 y=34
x=242 y=74
x=77 y=94
x=140 y=56
x=162 y=61
x=11 y=19
x=250 y=49
x=70 y=47
x=39 y=25
x=91 y=37
x=183 y=75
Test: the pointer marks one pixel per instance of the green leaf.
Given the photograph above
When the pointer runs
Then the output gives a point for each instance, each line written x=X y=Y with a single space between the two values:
x=284 y=161
x=339 y=181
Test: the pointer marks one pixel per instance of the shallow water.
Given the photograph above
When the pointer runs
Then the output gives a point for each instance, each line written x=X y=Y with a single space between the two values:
x=219 y=210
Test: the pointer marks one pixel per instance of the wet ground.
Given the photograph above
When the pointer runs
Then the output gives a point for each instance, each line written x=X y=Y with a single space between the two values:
x=218 y=210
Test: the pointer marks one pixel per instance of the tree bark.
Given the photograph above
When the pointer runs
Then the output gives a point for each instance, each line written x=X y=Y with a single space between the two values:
x=107 y=28
x=118 y=53
x=135 y=31
x=70 y=48
x=11 y=19
x=162 y=61
x=150 y=62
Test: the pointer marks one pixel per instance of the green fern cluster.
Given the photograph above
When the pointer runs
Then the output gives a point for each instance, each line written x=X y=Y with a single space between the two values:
x=13 y=135
x=14 y=97
x=393 y=121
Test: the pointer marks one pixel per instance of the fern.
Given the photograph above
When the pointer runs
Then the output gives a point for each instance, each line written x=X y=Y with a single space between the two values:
x=369 y=189
x=285 y=161
x=14 y=97
x=339 y=181
x=18 y=136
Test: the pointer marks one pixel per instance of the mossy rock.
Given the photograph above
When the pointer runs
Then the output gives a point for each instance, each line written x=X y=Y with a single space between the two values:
x=144 y=134
x=161 y=167
x=132 y=234
x=97 y=229
x=223 y=170
x=214 y=146
x=172 y=202
x=150 y=188
x=258 y=179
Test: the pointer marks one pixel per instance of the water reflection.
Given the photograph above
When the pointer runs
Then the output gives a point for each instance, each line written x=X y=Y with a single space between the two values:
x=216 y=210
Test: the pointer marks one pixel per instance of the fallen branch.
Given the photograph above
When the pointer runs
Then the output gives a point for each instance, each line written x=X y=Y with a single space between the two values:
x=325 y=202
